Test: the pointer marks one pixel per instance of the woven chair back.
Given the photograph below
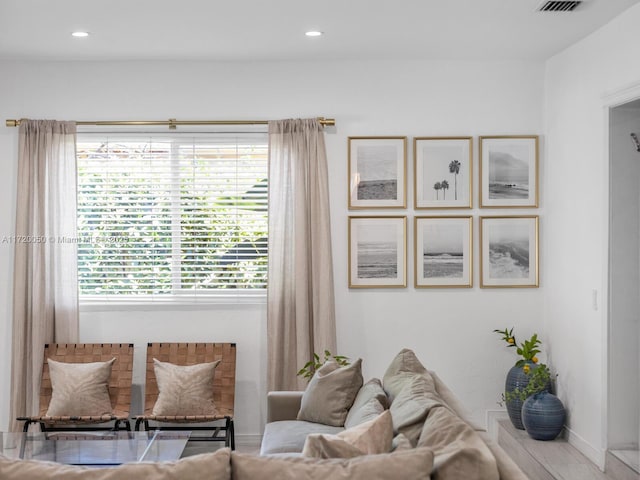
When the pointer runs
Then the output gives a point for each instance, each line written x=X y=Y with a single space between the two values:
x=121 y=371
x=224 y=382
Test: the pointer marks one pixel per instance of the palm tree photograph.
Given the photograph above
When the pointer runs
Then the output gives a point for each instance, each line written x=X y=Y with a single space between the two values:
x=443 y=172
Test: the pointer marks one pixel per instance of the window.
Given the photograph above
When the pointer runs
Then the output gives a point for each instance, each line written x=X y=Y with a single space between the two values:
x=171 y=215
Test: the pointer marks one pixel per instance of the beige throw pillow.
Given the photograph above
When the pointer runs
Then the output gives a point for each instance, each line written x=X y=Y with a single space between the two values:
x=79 y=389
x=370 y=402
x=184 y=390
x=401 y=371
x=213 y=466
x=413 y=464
x=459 y=450
x=331 y=393
x=369 y=438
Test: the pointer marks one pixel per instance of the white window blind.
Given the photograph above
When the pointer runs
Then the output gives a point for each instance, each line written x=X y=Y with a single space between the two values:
x=171 y=215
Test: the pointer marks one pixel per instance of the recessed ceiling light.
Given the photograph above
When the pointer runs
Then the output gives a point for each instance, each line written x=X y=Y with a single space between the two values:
x=313 y=33
x=80 y=34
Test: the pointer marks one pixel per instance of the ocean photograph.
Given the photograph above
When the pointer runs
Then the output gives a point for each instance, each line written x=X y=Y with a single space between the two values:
x=509 y=252
x=377 y=259
x=443 y=253
x=508 y=172
x=377 y=171
x=443 y=265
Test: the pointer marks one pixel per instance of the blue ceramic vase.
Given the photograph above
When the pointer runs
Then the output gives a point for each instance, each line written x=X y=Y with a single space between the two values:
x=543 y=416
x=516 y=378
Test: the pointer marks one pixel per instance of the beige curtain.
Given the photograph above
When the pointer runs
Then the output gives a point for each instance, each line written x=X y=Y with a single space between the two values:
x=45 y=286
x=300 y=311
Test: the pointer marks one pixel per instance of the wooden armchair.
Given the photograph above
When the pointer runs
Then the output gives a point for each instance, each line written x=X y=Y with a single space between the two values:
x=119 y=386
x=224 y=384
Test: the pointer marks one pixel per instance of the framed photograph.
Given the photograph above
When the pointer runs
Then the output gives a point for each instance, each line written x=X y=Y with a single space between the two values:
x=509 y=171
x=377 y=252
x=509 y=251
x=442 y=172
x=377 y=172
x=443 y=252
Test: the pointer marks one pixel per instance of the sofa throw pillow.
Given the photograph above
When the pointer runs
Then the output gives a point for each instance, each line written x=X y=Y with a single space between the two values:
x=184 y=389
x=400 y=442
x=370 y=402
x=331 y=393
x=79 y=389
x=412 y=464
x=214 y=466
x=369 y=438
x=411 y=406
x=401 y=371
x=459 y=451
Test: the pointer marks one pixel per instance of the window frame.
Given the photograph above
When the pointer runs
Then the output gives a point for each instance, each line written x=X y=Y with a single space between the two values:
x=178 y=298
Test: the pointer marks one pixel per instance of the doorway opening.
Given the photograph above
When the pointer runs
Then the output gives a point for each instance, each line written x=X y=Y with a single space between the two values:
x=624 y=284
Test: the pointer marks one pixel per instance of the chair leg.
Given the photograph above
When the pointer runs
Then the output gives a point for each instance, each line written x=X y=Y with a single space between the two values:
x=230 y=435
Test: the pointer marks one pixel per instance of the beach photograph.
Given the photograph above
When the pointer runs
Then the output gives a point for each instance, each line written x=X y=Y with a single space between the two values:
x=377 y=251
x=377 y=170
x=509 y=251
x=443 y=251
x=509 y=172
x=509 y=167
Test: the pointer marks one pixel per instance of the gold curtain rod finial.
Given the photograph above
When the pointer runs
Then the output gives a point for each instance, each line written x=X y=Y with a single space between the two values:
x=13 y=123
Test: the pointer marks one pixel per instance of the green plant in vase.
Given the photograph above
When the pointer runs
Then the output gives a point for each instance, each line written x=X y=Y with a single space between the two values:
x=517 y=377
x=311 y=366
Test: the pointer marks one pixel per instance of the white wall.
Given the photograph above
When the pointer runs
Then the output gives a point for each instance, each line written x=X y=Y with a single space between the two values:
x=624 y=271
x=451 y=330
x=577 y=84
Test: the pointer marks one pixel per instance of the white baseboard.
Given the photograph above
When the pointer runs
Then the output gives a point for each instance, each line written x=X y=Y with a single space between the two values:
x=249 y=440
x=584 y=447
x=492 y=417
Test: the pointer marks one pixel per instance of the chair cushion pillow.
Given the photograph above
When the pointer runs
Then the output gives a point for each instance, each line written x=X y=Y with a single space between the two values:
x=184 y=390
x=79 y=389
x=368 y=438
x=331 y=393
x=215 y=466
x=412 y=464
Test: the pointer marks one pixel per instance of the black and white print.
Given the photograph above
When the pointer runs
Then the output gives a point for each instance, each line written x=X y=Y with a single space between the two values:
x=509 y=171
x=443 y=172
x=377 y=168
x=443 y=251
x=509 y=251
x=377 y=251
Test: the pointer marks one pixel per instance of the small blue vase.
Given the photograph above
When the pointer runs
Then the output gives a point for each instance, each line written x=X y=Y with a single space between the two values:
x=543 y=416
x=516 y=378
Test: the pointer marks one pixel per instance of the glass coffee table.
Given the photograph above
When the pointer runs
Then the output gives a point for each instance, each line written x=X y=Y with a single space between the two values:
x=98 y=448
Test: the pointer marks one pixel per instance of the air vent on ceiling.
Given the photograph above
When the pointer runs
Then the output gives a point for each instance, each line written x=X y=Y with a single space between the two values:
x=559 y=6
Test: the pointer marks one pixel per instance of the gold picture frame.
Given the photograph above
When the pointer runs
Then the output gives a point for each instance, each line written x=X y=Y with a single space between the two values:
x=508 y=169
x=441 y=164
x=443 y=252
x=377 y=251
x=377 y=172
x=509 y=252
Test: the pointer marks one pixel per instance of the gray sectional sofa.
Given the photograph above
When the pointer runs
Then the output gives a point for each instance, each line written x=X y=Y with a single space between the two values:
x=425 y=413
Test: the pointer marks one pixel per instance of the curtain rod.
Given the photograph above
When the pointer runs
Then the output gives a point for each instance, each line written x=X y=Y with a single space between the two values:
x=172 y=123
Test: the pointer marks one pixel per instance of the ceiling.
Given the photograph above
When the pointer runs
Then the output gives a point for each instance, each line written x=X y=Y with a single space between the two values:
x=268 y=30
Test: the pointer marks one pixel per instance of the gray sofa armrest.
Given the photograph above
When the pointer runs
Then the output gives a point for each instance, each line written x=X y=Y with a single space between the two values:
x=283 y=405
